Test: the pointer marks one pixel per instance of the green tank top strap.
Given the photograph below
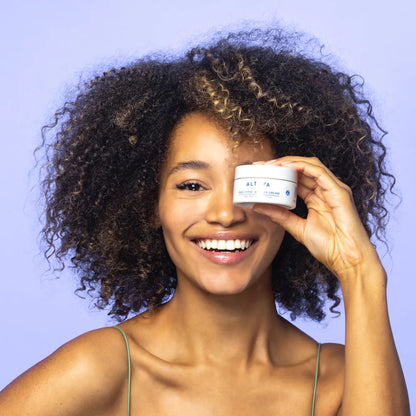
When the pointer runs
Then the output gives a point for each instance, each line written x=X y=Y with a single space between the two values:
x=318 y=353
x=129 y=368
x=129 y=373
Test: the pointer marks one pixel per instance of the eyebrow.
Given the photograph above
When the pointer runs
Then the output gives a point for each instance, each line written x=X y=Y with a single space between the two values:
x=196 y=165
x=189 y=164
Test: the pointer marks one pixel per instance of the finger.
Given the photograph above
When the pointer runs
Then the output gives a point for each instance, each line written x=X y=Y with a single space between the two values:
x=307 y=193
x=328 y=194
x=306 y=181
x=315 y=176
x=296 y=162
x=292 y=223
x=323 y=177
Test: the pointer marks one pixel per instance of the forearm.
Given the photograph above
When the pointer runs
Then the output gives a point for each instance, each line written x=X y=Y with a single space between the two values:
x=334 y=234
x=374 y=382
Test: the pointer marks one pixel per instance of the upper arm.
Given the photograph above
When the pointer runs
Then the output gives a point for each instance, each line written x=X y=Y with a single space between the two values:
x=78 y=379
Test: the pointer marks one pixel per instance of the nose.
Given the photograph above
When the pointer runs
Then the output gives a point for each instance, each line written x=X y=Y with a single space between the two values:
x=221 y=209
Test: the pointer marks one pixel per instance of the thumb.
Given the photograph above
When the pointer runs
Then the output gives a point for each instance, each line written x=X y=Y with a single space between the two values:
x=292 y=223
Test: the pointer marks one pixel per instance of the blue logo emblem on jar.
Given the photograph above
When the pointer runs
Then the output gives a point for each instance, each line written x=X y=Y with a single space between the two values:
x=288 y=192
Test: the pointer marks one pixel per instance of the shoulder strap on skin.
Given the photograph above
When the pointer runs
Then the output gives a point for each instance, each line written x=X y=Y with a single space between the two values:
x=318 y=353
x=129 y=372
x=129 y=367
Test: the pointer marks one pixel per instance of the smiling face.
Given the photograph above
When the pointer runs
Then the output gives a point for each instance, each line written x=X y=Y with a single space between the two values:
x=217 y=246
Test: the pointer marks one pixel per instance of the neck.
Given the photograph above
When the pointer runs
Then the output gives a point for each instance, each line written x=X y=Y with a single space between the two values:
x=236 y=330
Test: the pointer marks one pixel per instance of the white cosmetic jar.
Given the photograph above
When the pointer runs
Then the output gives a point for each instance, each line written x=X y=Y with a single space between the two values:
x=266 y=184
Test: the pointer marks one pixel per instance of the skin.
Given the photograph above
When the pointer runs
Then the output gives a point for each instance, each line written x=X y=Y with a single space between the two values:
x=218 y=347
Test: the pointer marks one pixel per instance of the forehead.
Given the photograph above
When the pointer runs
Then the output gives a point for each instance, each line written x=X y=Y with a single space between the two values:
x=199 y=137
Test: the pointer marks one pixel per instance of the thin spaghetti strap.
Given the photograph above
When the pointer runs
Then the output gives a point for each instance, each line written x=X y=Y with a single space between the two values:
x=316 y=378
x=129 y=368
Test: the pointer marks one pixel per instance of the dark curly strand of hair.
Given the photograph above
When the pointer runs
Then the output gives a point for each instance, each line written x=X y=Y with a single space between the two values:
x=103 y=163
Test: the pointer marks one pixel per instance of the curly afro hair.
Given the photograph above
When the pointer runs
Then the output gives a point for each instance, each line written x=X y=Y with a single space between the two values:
x=107 y=147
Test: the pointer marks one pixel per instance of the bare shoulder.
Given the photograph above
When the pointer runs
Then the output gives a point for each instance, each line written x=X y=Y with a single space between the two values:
x=333 y=357
x=331 y=378
x=332 y=363
x=83 y=377
x=331 y=368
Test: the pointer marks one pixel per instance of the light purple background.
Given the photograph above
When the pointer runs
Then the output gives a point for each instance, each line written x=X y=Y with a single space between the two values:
x=46 y=46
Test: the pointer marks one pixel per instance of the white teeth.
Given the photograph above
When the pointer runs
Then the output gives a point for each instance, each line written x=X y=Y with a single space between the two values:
x=230 y=245
x=224 y=245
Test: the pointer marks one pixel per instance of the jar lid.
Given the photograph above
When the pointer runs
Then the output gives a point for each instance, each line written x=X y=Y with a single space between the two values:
x=266 y=171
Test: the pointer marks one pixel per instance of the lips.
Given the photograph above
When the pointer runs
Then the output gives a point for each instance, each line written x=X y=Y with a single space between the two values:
x=224 y=250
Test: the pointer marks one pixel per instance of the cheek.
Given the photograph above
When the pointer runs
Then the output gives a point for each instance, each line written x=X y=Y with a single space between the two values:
x=277 y=240
x=275 y=231
x=177 y=215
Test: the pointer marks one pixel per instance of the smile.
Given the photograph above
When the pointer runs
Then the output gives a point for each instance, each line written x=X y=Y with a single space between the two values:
x=236 y=245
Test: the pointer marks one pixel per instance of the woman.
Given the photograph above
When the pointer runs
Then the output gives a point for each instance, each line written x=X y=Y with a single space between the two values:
x=139 y=197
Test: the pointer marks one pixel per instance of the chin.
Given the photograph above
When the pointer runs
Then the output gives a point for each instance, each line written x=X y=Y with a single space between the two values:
x=225 y=284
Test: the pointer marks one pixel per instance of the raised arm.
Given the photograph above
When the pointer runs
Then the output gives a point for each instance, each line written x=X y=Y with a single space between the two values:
x=333 y=233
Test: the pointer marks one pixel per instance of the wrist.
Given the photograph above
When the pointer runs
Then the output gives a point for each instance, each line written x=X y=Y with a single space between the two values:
x=368 y=279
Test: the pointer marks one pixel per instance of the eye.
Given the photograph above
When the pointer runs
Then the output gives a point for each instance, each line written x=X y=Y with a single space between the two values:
x=190 y=186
